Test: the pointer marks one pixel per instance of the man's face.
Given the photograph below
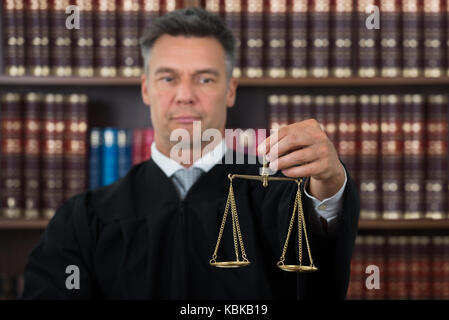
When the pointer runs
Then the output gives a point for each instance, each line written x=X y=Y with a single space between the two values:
x=187 y=82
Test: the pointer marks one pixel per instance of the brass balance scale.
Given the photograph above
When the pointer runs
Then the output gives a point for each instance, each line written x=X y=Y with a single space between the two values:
x=237 y=234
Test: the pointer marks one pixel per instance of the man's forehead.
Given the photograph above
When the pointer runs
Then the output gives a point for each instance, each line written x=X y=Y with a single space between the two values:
x=183 y=44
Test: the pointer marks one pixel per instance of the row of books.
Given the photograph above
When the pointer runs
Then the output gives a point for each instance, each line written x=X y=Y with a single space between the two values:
x=11 y=286
x=400 y=267
x=113 y=151
x=43 y=152
x=394 y=146
x=276 y=38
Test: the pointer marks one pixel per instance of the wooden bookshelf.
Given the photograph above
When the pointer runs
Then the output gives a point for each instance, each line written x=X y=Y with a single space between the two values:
x=41 y=224
x=246 y=82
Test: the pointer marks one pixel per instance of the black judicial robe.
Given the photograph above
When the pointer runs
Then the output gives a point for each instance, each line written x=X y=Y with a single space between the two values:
x=135 y=239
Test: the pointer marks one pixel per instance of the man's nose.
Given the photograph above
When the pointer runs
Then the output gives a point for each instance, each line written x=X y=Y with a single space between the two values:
x=185 y=92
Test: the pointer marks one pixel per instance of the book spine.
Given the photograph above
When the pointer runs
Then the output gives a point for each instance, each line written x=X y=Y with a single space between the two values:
x=297 y=43
x=391 y=157
x=433 y=39
x=440 y=267
x=356 y=286
x=276 y=53
x=105 y=38
x=233 y=19
x=215 y=6
x=128 y=38
x=374 y=256
x=137 y=146
x=341 y=45
x=347 y=133
x=13 y=38
x=368 y=160
x=397 y=268
x=390 y=38
x=32 y=38
x=83 y=41
x=319 y=109
x=60 y=40
x=150 y=11
x=368 y=43
x=124 y=140
x=32 y=155
x=420 y=272
x=413 y=130
x=436 y=156
x=75 y=144
x=148 y=138
x=330 y=121
x=253 y=44
x=300 y=108
x=411 y=39
x=95 y=158
x=278 y=111
x=171 y=5
x=52 y=166
x=11 y=198
x=319 y=15
x=109 y=153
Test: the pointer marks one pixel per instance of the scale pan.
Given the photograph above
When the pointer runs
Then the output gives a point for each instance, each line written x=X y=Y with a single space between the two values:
x=297 y=268
x=230 y=264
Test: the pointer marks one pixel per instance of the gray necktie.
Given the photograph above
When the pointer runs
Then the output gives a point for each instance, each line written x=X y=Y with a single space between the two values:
x=185 y=178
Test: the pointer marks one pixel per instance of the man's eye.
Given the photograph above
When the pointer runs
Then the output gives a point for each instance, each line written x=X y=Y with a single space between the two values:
x=166 y=79
x=206 y=80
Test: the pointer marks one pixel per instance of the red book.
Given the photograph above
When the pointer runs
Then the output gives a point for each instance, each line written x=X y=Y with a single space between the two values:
x=52 y=174
x=170 y=5
x=440 y=267
x=37 y=39
x=148 y=138
x=137 y=146
x=83 y=41
x=150 y=10
x=300 y=108
x=319 y=15
x=297 y=43
x=32 y=155
x=341 y=36
x=369 y=156
x=11 y=198
x=75 y=144
x=60 y=39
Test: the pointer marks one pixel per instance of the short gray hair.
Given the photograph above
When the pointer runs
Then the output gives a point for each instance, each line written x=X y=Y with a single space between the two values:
x=189 y=22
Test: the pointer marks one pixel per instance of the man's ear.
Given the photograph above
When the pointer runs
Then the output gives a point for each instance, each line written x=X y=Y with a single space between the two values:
x=144 y=89
x=232 y=91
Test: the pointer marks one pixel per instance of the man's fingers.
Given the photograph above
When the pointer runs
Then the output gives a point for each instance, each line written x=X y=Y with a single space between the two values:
x=298 y=157
x=306 y=170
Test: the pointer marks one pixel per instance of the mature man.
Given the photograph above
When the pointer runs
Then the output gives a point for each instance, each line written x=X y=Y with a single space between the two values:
x=152 y=233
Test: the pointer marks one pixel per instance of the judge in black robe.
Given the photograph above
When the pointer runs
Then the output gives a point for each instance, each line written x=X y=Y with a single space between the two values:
x=136 y=239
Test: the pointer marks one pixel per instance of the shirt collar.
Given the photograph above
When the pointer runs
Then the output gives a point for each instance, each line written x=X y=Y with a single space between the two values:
x=205 y=163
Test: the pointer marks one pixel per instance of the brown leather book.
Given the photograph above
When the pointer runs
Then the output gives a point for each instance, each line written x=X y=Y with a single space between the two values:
x=83 y=41
x=433 y=39
x=300 y=107
x=367 y=43
x=319 y=38
x=253 y=43
x=390 y=38
x=341 y=53
x=412 y=38
x=11 y=157
x=128 y=50
x=356 y=288
x=105 y=38
x=32 y=129
x=276 y=38
x=233 y=19
x=60 y=40
x=297 y=43
x=13 y=38
x=347 y=133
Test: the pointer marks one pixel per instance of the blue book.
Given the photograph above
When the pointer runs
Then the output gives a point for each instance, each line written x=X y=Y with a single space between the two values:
x=125 y=137
x=109 y=153
x=95 y=158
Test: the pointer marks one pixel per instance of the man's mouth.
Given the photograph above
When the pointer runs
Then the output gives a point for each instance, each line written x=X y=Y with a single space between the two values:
x=186 y=119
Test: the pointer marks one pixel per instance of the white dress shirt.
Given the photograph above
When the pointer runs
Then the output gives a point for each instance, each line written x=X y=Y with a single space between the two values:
x=327 y=209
